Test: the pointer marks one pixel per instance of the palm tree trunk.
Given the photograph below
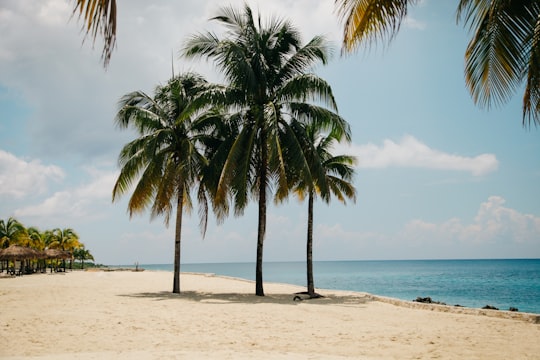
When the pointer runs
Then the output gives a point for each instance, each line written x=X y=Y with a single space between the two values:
x=259 y=291
x=177 y=239
x=309 y=247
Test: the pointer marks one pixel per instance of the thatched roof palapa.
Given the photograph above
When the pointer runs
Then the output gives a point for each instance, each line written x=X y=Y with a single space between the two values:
x=57 y=254
x=17 y=252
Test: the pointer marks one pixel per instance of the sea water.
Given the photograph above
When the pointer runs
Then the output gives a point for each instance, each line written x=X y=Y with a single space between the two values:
x=471 y=283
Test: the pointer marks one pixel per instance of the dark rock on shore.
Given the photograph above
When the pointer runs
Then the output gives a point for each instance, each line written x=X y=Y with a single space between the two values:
x=428 y=300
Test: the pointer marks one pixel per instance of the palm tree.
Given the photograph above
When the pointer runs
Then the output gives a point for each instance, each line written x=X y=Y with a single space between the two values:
x=64 y=239
x=36 y=238
x=266 y=70
x=11 y=232
x=37 y=241
x=82 y=254
x=166 y=160
x=502 y=56
x=99 y=17
x=330 y=175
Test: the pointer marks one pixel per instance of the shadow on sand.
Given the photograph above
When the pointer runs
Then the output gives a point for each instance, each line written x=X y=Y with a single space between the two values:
x=224 y=298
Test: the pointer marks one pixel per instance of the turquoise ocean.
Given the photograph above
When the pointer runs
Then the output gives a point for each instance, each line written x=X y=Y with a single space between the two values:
x=471 y=283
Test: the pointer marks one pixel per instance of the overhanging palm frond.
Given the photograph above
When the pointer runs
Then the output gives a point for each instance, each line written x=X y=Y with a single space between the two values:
x=503 y=53
x=531 y=100
x=99 y=18
x=370 y=21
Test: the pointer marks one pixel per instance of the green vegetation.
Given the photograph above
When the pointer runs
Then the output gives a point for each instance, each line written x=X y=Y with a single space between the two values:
x=331 y=175
x=236 y=141
x=82 y=254
x=168 y=159
x=270 y=86
x=12 y=232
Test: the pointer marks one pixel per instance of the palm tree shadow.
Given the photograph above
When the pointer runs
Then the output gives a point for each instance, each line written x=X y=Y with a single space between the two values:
x=242 y=298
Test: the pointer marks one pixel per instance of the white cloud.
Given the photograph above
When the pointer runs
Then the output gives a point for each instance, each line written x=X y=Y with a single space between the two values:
x=414 y=24
x=64 y=83
x=410 y=152
x=495 y=231
x=493 y=223
x=20 y=178
x=75 y=202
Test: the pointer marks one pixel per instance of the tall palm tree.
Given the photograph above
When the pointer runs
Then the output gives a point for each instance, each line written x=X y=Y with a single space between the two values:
x=266 y=69
x=166 y=160
x=330 y=175
x=99 y=17
x=502 y=56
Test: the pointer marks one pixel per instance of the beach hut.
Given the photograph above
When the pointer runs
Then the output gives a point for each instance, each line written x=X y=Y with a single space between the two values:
x=18 y=253
x=57 y=254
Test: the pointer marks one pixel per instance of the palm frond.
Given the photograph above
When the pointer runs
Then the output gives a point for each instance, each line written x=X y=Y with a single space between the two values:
x=317 y=50
x=307 y=87
x=503 y=52
x=99 y=18
x=369 y=21
x=531 y=99
x=323 y=119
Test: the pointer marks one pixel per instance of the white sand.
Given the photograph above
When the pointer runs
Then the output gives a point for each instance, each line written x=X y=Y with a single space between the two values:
x=133 y=315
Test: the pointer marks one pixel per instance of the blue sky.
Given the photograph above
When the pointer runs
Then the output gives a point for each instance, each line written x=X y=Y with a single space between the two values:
x=437 y=177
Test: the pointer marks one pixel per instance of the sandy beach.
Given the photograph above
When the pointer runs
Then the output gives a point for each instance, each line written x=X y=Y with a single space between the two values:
x=133 y=315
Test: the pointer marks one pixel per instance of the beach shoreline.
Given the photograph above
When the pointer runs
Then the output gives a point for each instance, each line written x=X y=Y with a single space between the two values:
x=128 y=314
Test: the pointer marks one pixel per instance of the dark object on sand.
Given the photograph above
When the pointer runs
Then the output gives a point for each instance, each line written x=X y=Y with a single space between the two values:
x=513 y=308
x=309 y=296
x=428 y=300
x=489 y=307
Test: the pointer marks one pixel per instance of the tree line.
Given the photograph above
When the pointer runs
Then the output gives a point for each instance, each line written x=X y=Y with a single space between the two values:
x=13 y=232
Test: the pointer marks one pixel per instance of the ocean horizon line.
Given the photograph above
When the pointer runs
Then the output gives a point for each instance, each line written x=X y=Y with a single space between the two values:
x=323 y=261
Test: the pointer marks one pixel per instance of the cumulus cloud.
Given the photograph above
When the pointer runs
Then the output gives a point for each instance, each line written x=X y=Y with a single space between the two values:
x=20 y=177
x=493 y=222
x=410 y=152
x=76 y=202
x=496 y=230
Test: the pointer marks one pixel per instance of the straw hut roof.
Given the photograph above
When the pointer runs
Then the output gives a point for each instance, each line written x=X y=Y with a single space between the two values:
x=17 y=252
x=57 y=254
